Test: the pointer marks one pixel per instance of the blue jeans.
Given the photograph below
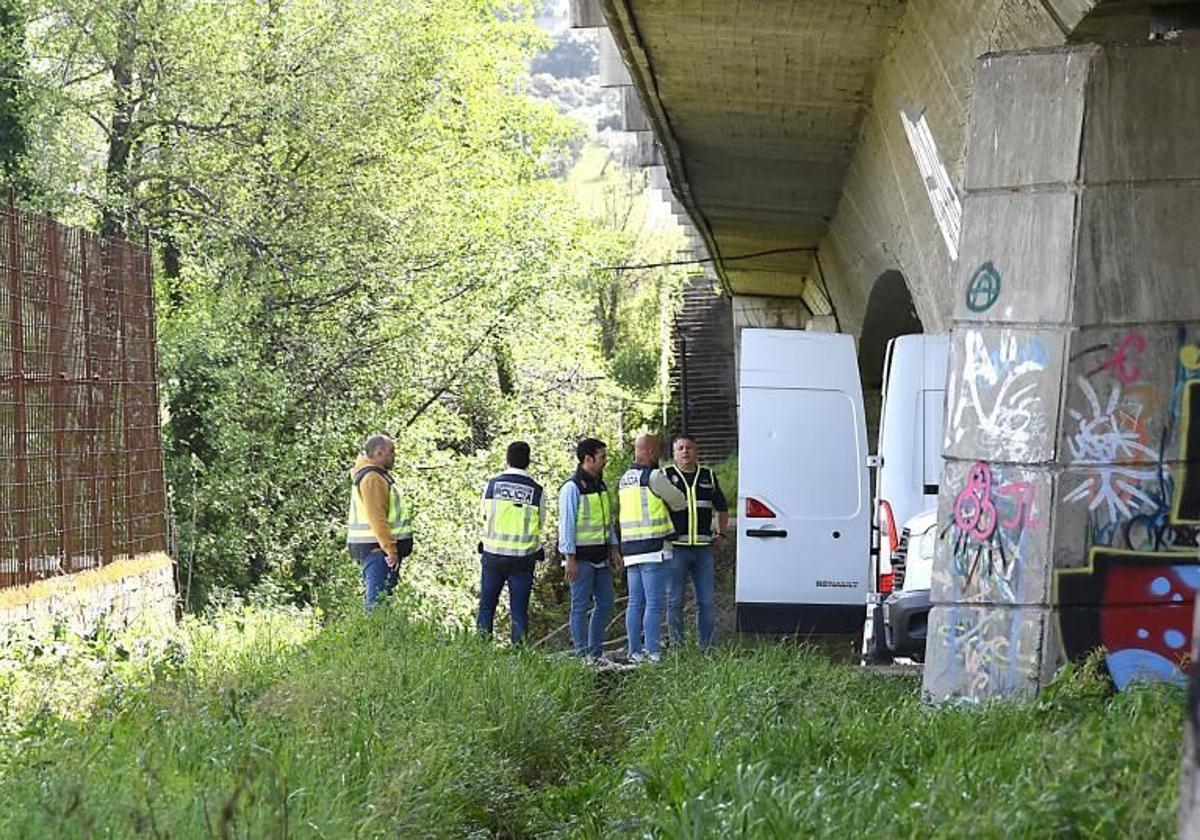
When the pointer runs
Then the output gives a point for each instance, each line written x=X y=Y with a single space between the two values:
x=518 y=573
x=592 y=583
x=378 y=578
x=697 y=561
x=647 y=592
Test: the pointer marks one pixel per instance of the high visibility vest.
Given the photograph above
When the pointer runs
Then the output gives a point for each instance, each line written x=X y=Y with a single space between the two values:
x=593 y=517
x=694 y=525
x=644 y=517
x=358 y=529
x=512 y=517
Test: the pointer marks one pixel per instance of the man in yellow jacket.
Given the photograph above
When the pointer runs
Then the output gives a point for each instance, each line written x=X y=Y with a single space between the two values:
x=378 y=532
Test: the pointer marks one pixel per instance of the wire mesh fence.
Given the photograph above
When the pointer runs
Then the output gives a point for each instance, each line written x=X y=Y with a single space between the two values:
x=81 y=477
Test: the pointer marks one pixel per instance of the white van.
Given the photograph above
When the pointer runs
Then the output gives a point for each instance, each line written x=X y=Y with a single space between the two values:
x=803 y=527
x=909 y=458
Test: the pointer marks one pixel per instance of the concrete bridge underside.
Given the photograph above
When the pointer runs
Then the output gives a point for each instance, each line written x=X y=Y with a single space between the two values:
x=781 y=130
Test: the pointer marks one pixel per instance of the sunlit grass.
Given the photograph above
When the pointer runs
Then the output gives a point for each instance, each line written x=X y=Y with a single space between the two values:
x=255 y=722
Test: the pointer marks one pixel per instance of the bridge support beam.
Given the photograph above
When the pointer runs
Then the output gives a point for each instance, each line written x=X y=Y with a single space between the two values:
x=1070 y=496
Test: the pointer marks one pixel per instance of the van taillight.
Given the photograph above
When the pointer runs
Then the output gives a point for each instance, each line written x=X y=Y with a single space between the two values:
x=887 y=524
x=757 y=510
x=887 y=583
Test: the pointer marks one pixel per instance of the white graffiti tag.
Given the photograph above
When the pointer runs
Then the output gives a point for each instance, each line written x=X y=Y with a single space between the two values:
x=1102 y=439
x=1002 y=394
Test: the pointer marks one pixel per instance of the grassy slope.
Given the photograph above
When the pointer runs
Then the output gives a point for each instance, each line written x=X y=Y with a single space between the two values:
x=382 y=728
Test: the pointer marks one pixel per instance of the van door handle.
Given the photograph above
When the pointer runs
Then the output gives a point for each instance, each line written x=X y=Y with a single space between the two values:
x=765 y=532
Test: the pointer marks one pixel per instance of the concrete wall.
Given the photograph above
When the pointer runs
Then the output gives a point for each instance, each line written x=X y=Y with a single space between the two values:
x=884 y=219
x=136 y=591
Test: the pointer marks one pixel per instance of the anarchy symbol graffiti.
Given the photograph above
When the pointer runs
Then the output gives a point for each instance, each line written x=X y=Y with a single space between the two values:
x=984 y=288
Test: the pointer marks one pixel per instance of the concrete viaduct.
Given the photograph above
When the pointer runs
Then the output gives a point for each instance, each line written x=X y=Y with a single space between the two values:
x=1024 y=174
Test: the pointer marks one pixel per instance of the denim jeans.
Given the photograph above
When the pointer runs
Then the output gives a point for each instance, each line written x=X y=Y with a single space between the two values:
x=644 y=614
x=378 y=578
x=696 y=561
x=592 y=583
x=518 y=573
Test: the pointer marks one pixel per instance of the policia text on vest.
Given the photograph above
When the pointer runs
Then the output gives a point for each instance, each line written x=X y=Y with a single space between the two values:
x=513 y=509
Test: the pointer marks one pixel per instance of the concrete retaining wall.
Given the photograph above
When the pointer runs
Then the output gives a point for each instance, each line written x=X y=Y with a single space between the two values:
x=138 y=590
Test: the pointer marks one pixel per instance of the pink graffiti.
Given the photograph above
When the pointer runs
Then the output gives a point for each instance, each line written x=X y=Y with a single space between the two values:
x=1021 y=493
x=974 y=513
x=1125 y=370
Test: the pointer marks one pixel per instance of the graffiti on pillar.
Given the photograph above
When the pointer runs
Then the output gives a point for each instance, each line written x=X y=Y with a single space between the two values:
x=1109 y=442
x=983 y=289
x=989 y=652
x=990 y=521
x=994 y=396
x=1137 y=605
x=1123 y=367
x=1135 y=596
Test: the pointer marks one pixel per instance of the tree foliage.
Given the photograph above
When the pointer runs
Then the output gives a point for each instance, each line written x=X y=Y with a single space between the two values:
x=355 y=230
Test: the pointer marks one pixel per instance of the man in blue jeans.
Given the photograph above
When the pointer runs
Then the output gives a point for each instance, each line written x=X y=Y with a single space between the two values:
x=513 y=513
x=646 y=499
x=692 y=547
x=378 y=533
x=588 y=544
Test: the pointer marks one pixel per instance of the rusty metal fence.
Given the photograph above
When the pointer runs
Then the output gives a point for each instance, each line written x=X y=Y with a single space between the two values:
x=81 y=478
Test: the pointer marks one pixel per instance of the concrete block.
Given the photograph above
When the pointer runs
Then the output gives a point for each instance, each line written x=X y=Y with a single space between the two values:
x=1002 y=394
x=645 y=152
x=1138 y=254
x=613 y=72
x=1127 y=400
x=1071 y=12
x=1024 y=101
x=977 y=653
x=586 y=14
x=1142 y=121
x=994 y=543
x=633 y=115
x=1016 y=257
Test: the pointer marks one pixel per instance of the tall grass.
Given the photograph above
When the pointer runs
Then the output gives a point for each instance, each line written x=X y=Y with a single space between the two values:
x=255 y=723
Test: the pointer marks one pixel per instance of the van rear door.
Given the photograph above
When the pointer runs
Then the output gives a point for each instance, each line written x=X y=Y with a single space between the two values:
x=803 y=527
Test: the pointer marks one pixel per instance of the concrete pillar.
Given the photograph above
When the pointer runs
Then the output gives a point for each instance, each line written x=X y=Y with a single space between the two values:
x=1070 y=497
x=633 y=115
x=779 y=313
x=586 y=14
x=613 y=72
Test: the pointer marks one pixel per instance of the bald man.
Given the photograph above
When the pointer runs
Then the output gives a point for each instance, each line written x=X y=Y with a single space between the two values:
x=646 y=498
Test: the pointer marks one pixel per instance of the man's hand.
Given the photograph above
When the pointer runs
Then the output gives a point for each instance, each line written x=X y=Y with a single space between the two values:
x=614 y=555
x=572 y=569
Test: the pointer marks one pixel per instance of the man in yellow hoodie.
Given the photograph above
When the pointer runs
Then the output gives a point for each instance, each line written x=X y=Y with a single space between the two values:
x=378 y=532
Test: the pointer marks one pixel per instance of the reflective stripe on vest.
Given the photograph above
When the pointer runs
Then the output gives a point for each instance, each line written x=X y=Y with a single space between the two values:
x=358 y=529
x=643 y=515
x=592 y=518
x=512 y=519
x=693 y=535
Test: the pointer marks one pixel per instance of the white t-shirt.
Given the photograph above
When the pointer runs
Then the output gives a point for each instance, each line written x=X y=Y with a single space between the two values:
x=648 y=557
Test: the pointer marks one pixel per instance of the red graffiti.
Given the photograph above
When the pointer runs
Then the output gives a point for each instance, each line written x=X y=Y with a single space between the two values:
x=974 y=512
x=1021 y=493
x=1125 y=370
